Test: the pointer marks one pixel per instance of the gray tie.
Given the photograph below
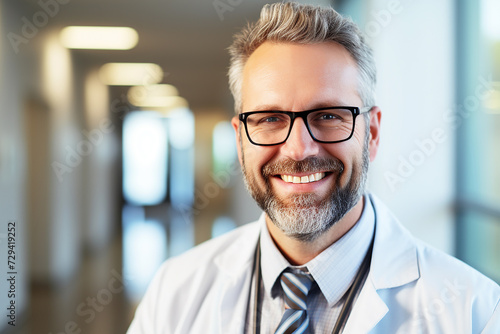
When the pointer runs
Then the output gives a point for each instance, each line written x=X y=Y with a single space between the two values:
x=295 y=287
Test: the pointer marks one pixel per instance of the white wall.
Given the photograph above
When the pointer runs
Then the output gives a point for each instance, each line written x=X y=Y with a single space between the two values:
x=42 y=123
x=413 y=42
x=100 y=189
x=63 y=244
x=12 y=172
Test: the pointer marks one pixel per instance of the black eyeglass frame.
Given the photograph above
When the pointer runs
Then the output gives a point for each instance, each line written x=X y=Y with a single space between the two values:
x=356 y=111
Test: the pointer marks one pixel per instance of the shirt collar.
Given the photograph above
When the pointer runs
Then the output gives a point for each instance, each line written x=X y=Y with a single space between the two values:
x=334 y=269
x=272 y=261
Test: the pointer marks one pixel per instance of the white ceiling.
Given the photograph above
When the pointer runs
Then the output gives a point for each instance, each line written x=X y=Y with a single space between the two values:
x=187 y=38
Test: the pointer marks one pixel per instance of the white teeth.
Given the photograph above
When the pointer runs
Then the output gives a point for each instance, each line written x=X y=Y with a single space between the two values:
x=303 y=179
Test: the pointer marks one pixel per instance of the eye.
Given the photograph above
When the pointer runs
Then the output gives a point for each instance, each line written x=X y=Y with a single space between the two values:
x=272 y=119
x=269 y=118
x=327 y=116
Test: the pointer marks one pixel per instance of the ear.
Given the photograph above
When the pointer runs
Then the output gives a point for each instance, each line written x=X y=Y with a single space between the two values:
x=375 y=117
x=235 y=122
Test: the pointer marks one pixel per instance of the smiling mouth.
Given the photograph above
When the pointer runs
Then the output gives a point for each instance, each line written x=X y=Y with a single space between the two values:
x=303 y=179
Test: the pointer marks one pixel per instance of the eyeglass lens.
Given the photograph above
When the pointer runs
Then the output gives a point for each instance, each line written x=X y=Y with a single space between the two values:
x=328 y=125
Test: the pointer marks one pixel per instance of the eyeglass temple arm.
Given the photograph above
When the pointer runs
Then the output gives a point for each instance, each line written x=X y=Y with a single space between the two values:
x=364 y=110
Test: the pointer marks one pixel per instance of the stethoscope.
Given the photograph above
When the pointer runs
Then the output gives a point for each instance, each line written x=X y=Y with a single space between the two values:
x=352 y=293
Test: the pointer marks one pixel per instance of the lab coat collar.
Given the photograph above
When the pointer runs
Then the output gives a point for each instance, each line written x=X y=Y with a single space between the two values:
x=237 y=263
x=394 y=259
x=236 y=259
x=394 y=263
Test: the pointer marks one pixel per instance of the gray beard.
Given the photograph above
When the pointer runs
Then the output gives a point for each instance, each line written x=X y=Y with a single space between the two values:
x=306 y=216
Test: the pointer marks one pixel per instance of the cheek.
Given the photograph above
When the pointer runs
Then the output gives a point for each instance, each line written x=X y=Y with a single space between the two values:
x=359 y=135
x=351 y=157
x=351 y=152
x=256 y=157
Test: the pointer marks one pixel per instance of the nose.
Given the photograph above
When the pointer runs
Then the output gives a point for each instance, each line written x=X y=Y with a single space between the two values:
x=299 y=145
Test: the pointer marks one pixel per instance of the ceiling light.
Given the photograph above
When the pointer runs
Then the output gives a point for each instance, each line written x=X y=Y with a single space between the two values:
x=155 y=96
x=165 y=103
x=104 y=38
x=130 y=74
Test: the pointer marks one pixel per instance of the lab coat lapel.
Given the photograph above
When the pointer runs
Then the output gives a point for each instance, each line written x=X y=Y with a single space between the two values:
x=394 y=263
x=394 y=257
x=237 y=263
x=368 y=310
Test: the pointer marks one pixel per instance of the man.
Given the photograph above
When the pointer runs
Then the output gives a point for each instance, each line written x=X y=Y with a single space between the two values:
x=324 y=257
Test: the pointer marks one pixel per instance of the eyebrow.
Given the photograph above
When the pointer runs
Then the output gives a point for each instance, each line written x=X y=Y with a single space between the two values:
x=265 y=107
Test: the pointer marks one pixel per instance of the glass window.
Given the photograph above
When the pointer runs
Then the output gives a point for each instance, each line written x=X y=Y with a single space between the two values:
x=478 y=134
x=224 y=146
x=181 y=135
x=481 y=247
x=145 y=145
x=222 y=225
x=144 y=249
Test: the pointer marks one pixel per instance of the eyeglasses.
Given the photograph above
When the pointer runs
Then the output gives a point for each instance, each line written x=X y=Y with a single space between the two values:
x=325 y=125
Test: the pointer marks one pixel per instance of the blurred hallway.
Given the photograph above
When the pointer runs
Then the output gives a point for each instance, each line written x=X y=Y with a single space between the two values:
x=83 y=303
x=114 y=158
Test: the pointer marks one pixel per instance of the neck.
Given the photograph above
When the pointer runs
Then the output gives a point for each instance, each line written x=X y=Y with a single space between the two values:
x=299 y=252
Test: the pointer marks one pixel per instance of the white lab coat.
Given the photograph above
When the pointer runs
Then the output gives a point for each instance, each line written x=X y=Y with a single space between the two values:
x=411 y=288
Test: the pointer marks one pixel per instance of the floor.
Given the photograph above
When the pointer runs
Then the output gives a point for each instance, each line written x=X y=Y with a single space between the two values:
x=104 y=293
x=95 y=302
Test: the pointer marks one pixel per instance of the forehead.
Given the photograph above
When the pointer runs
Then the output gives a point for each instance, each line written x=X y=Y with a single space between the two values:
x=299 y=76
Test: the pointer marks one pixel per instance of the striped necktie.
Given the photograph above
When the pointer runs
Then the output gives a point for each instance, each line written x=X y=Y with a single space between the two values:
x=295 y=286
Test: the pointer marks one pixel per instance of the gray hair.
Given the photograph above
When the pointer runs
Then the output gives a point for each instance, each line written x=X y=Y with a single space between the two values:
x=304 y=24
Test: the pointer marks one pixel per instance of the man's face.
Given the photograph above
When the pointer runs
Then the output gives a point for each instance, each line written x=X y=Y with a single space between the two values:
x=294 y=77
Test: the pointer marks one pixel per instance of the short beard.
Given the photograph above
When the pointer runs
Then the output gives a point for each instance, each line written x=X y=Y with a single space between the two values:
x=305 y=217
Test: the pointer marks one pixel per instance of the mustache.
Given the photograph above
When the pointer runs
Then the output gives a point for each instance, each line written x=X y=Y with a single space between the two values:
x=309 y=165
